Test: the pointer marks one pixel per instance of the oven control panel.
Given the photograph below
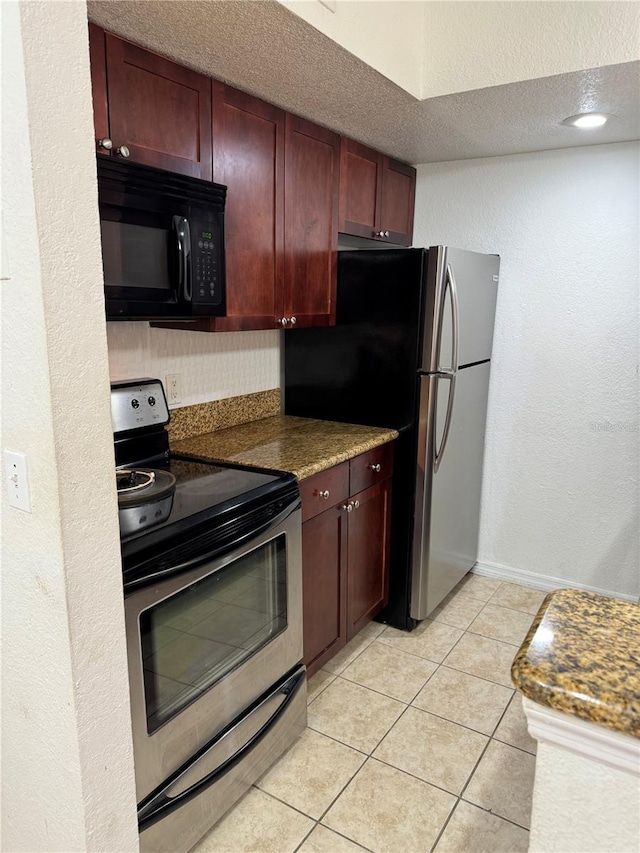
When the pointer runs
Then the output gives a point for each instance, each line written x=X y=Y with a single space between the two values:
x=138 y=403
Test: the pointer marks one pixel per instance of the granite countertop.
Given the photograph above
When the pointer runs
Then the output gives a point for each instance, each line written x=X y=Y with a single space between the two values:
x=284 y=443
x=582 y=656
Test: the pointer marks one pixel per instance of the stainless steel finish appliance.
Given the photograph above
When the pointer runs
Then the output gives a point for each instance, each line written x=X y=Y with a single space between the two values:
x=412 y=350
x=213 y=608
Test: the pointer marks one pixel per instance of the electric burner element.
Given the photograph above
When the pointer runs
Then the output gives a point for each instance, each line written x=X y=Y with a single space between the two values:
x=136 y=487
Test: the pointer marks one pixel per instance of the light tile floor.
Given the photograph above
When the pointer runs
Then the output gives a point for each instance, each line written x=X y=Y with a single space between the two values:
x=415 y=742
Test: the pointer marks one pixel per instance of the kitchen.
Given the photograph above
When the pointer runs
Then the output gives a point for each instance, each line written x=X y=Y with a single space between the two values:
x=531 y=455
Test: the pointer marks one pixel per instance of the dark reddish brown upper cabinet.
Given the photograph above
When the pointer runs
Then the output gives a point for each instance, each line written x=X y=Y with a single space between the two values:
x=397 y=201
x=377 y=195
x=98 y=62
x=248 y=157
x=311 y=193
x=159 y=113
x=360 y=187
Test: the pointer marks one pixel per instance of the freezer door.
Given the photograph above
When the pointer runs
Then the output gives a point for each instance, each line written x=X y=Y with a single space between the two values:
x=469 y=279
x=447 y=509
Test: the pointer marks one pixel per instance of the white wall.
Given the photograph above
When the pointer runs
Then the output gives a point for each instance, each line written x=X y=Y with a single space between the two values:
x=67 y=766
x=212 y=366
x=560 y=494
x=471 y=45
x=581 y=805
x=438 y=48
x=388 y=35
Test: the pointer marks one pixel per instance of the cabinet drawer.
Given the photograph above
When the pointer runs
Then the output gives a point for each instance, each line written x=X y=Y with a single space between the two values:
x=324 y=490
x=370 y=468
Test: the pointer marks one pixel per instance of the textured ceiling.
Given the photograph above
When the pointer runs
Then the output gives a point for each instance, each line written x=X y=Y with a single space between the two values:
x=261 y=47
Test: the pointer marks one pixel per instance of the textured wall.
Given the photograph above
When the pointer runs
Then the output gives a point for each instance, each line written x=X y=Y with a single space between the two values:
x=435 y=48
x=67 y=762
x=583 y=806
x=560 y=492
x=212 y=366
x=387 y=34
x=471 y=45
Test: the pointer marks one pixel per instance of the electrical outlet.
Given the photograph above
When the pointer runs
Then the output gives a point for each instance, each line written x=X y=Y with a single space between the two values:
x=174 y=388
x=15 y=475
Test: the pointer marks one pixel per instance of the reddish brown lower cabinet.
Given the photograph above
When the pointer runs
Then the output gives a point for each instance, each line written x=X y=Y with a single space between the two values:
x=345 y=552
x=368 y=555
x=324 y=554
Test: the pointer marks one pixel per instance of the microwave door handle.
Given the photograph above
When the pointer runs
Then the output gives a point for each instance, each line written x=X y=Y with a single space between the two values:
x=183 y=236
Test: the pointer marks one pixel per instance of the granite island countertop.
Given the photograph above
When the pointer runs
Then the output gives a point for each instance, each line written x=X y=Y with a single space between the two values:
x=582 y=656
x=302 y=446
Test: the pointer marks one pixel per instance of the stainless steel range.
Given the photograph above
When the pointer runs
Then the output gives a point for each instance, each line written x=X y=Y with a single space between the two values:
x=213 y=606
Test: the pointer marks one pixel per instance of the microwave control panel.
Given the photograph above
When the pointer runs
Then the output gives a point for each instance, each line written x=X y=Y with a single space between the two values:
x=206 y=264
x=138 y=403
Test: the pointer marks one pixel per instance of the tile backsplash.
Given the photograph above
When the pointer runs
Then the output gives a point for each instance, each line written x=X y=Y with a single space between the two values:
x=211 y=366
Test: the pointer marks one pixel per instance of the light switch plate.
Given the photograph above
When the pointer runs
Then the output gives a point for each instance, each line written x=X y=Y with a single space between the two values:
x=15 y=475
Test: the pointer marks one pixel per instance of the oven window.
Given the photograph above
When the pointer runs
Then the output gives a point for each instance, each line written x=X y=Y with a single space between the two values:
x=193 y=639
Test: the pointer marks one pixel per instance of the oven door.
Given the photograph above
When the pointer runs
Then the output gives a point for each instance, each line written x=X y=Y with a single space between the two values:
x=207 y=642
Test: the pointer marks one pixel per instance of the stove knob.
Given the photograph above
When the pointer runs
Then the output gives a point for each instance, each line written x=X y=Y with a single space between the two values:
x=152 y=401
x=135 y=404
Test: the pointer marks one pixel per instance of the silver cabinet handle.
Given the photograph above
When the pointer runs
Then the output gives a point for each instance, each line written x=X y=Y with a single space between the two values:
x=283 y=321
x=105 y=143
x=376 y=468
x=324 y=495
x=386 y=234
x=348 y=507
x=356 y=504
x=293 y=320
x=123 y=151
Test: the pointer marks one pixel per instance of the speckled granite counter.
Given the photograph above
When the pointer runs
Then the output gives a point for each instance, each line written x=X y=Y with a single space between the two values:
x=582 y=656
x=282 y=443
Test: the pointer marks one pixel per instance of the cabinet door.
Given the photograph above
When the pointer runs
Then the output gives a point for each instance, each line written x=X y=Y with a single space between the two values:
x=368 y=547
x=324 y=551
x=248 y=157
x=397 y=201
x=98 y=62
x=160 y=110
x=360 y=188
x=312 y=161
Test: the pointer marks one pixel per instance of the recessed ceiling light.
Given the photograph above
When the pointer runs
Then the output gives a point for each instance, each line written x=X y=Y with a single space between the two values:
x=586 y=120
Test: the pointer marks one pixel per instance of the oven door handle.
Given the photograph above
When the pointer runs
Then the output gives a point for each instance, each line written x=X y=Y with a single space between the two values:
x=180 y=568
x=187 y=782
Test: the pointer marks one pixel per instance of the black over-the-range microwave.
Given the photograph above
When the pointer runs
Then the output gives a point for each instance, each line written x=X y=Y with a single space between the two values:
x=162 y=243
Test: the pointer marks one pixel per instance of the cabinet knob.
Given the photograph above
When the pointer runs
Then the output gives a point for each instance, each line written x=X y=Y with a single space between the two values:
x=348 y=507
x=123 y=151
x=375 y=468
x=385 y=234
x=293 y=321
x=283 y=321
x=105 y=143
x=356 y=504
x=324 y=495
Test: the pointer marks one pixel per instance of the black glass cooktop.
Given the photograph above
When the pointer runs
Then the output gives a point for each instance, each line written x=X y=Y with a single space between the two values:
x=205 y=495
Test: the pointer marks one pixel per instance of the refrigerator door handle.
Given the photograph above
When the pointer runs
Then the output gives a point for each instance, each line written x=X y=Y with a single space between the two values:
x=450 y=283
x=438 y=452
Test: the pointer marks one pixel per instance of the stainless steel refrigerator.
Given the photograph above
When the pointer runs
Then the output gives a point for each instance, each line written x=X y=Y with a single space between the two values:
x=411 y=349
